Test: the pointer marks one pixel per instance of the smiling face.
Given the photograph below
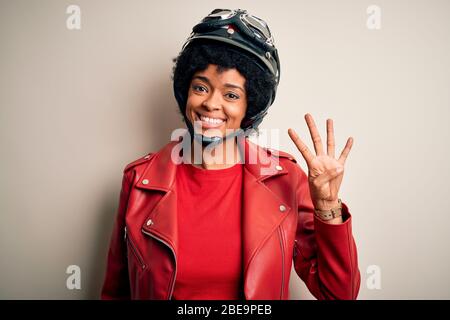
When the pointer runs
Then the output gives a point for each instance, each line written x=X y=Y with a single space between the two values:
x=216 y=99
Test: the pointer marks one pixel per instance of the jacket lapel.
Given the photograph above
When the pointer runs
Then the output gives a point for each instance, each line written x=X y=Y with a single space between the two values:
x=160 y=176
x=261 y=209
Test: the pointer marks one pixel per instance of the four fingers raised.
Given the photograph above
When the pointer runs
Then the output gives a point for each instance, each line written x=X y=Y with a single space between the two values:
x=317 y=141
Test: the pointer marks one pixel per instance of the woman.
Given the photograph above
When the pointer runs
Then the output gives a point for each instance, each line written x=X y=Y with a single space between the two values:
x=216 y=216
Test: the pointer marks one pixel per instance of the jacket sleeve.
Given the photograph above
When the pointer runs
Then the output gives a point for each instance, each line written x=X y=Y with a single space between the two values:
x=325 y=255
x=116 y=283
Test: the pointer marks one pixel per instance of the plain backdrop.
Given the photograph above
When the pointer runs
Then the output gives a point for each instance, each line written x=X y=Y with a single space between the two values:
x=77 y=105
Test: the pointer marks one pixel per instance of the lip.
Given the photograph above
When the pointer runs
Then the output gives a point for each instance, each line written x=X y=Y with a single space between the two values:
x=208 y=125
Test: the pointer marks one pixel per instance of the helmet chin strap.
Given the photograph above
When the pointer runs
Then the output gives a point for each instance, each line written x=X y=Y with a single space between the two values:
x=211 y=141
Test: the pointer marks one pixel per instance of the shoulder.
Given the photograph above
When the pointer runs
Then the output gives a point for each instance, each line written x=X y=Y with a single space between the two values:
x=140 y=161
x=288 y=161
x=280 y=154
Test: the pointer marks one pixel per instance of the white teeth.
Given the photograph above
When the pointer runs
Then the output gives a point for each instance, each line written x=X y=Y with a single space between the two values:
x=211 y=120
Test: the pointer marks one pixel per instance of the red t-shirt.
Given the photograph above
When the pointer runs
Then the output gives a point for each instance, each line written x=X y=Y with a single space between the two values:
x=209 y=261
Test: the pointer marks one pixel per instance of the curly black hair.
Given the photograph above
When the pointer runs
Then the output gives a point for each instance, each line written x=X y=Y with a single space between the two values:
x=200 y=53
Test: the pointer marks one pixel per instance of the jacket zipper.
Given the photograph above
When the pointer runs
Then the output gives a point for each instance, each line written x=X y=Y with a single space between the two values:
x=282 y=260
x=134 y=249
x=172 y=282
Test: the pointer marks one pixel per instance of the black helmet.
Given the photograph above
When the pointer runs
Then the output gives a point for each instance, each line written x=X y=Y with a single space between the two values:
x=247 y=32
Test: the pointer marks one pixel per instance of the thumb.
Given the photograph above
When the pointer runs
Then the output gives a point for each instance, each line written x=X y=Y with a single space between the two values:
x=329 y=175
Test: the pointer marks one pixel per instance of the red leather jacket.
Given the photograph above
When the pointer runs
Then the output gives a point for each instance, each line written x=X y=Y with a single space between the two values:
x=278 y=227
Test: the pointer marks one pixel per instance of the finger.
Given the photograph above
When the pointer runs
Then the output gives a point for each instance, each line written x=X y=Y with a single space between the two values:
x=328 y=175
x=330 y=138
x=345 y=152
x=315 y=136
x=307 y=155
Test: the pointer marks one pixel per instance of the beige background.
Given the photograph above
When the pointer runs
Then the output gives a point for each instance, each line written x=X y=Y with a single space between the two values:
x=77 y=106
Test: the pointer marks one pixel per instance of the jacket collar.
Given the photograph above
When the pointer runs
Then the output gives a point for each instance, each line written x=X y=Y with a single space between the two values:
x=161 y=172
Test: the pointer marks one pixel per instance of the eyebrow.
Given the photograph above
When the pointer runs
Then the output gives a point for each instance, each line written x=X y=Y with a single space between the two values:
x=229 y=85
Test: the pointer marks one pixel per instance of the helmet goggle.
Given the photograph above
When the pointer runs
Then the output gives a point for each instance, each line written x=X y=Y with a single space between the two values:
x=248 y=24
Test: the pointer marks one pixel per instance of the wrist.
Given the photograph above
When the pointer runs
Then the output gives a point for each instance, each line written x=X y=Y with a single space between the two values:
x=324 y=205
x=328 y=212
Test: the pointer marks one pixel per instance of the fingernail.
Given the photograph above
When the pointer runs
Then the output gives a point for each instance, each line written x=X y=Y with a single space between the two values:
x=339 y=170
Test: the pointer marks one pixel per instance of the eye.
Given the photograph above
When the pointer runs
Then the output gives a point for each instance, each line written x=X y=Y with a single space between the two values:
x=199 y=88
x=232 y=96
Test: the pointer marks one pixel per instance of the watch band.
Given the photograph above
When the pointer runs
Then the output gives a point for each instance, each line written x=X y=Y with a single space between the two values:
x=326 y=215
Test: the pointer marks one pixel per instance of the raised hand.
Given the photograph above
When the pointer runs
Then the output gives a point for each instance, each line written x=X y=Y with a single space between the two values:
x=325 y=173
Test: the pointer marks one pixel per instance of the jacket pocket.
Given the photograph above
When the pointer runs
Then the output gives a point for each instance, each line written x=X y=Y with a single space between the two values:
x=131 y=247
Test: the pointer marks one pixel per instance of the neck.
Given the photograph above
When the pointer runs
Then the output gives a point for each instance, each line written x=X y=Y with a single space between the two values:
x=221 y=156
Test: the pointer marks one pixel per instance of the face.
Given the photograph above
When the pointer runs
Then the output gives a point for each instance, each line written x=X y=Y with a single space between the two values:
x=217 y=100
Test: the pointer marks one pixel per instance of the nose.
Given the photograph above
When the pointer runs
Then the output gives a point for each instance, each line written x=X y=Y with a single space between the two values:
x=212 y=102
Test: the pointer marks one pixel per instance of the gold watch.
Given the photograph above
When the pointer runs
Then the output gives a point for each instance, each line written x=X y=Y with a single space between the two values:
x=326 y=215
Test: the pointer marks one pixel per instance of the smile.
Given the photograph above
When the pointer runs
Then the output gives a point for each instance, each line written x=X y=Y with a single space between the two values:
x=210 y=122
